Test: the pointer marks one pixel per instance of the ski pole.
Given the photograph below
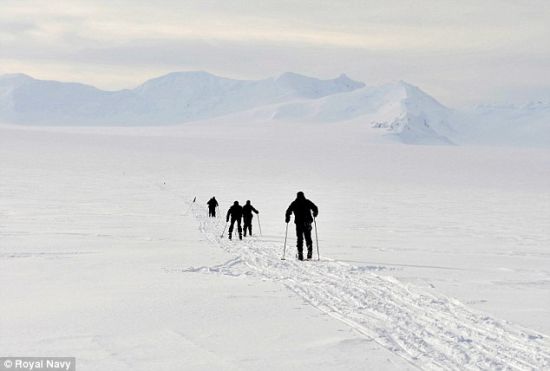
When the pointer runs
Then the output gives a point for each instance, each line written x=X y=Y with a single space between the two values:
x=224 y=229
x=190 y=206
x=316 y=239
x=259 y=225
x=284 y=249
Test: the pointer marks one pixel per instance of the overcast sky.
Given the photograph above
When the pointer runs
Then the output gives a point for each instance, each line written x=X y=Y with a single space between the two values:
x=461 y=52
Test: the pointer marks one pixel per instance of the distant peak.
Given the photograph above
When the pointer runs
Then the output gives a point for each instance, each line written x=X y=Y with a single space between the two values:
x=178 y=78
x=293 y=76
x=414 y=94
x=407 y=85
x=191 y=73
x=15 y=76
x=344 y=77
x=410 y=89
x=187 y=74
x=311 y=87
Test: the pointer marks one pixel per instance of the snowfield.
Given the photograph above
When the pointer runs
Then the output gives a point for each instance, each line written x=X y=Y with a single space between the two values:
x=432 y=257
x=430 y=331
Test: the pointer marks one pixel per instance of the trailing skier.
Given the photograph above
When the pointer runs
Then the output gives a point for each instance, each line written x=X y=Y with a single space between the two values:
x=212 y=204
x=302 y=209
x=236 y=214
x=248 y=209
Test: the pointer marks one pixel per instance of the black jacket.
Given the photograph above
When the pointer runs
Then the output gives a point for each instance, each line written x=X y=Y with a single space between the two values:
x=302 y=209
x=247 y=211
x=235 y=211
x=212 y=203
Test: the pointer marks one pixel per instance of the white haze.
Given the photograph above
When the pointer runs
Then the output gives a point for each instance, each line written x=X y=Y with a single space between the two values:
x=458 y=51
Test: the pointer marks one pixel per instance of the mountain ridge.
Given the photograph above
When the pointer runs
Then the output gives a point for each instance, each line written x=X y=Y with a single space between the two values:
x=398 y=109
x=172 y=98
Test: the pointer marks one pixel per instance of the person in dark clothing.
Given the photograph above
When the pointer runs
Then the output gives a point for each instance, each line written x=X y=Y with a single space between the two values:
x=302 y=209
x=236 y=213
x=212 y=204
x=247 y=217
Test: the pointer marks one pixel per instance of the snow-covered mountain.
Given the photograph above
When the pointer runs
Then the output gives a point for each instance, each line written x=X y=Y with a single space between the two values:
x=174 y=98
x=26 y=100
x=178 y=97
x=399 y=110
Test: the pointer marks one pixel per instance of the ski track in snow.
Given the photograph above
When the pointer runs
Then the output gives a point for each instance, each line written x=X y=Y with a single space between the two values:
x=429 y=330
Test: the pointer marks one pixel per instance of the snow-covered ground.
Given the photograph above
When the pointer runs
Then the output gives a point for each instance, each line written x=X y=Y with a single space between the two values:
x=432 y=257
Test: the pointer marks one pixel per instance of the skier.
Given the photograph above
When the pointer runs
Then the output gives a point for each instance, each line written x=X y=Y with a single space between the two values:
x=236 y=213
x=302 y=209
x=247 y=217
x=212 y=204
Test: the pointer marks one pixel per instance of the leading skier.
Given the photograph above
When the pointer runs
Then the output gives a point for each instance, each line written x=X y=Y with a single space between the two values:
x=212 y=204
x=303 y=210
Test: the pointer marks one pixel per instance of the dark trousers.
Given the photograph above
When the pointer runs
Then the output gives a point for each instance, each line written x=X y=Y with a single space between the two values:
x=239 y=228
x=247 y=226
x=212 y=212
x=303 y=231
